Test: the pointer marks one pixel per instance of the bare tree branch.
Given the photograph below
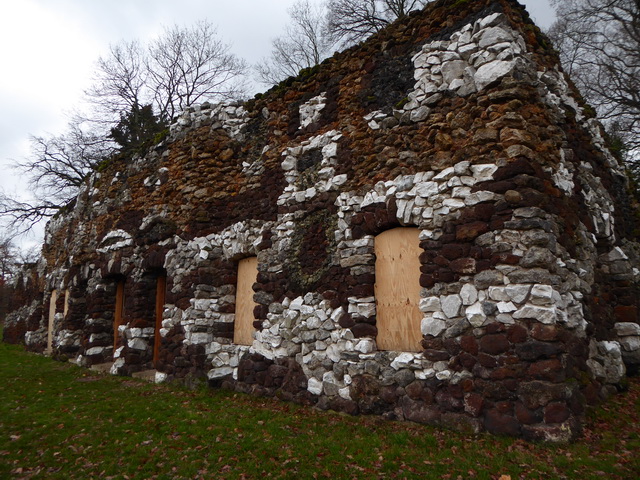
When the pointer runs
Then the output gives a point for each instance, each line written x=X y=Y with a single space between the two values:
x=599 y=44
x=303 y=45
x=351 y=21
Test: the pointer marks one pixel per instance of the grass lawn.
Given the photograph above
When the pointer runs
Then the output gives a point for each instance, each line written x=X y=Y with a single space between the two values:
x=61 y=421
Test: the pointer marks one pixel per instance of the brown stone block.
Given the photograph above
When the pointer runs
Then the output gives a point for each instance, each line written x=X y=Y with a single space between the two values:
x=487 y=360
x=516 y=167
x=550 y=370
x=501 y=424
x=534 y=350
x=346 y=321
x=340 y=404
x=469 y=344
x=556 y=412
x=444 y=275
x=436 y=355
x=626 y=313
x=427 y=281
x=527 y=416
x=462 y=423
x=517 y=334
x=545 y=333
x=494 y=344
x=441 y=261
x=467 y=360
x=463 y=266
x=495 y=327
x=417 y=411
x=364 y=330
x=469 y=231
x=453 y=251
x=473 y=404
x=449 y=402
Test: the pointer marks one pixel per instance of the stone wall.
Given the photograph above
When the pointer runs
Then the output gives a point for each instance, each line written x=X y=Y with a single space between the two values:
x=456 y=121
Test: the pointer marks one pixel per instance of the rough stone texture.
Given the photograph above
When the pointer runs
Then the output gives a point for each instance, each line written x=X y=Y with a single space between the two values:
x=457 y=122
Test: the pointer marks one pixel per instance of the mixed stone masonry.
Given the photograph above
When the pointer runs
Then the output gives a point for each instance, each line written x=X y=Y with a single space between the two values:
x=454 y=129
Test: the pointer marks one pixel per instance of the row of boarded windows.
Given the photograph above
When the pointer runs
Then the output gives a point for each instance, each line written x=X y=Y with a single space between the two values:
x=397 y=293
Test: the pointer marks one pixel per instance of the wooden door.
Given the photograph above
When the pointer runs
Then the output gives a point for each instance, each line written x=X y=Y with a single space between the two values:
x=243 y=326
x=397 y=290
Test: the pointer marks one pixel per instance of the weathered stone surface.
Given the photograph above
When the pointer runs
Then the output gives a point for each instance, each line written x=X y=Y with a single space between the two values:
x=521 y=261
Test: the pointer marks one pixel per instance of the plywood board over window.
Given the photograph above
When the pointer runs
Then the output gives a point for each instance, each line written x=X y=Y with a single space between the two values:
x=52 y=318
x=243 y=326
x=397 y=289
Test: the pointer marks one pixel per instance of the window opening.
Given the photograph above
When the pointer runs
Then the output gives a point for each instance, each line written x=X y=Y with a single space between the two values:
x=397 y=289
x=243 y=327
x=119 y=312
x=52 y=317
x=161 y=289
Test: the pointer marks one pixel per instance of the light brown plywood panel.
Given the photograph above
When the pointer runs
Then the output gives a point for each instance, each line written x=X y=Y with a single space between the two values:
x=52 y=317
x=397 y=290
x=66 y=303
x=243 y=327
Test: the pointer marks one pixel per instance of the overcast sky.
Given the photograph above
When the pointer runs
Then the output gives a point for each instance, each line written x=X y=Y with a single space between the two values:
x=48 y=49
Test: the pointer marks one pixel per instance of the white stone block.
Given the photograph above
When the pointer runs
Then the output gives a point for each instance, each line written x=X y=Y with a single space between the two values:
x=498 y=294
x=506 y=307
x=468 y=294
x=483 y=172
x=546 y=315
x=542 y=295
x=94 y=351
x=492 y=71
x=451 y=305
x=137 y=344
x=430 y=304
x=624 y=329
x=314 y=386
x=402 y=361
x=432 y=326
x=475 y=315
x=365 y=345
x=517 y=293
x=344 y=393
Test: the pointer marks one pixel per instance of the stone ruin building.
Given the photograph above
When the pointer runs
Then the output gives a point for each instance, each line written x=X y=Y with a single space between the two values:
x=428 y=226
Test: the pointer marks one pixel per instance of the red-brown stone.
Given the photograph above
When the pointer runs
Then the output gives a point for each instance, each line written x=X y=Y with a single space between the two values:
x=494 y=344
x=469 y=231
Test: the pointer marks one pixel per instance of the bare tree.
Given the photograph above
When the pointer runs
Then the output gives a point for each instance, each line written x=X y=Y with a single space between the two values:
x=137 y=90
x=56 y=169
x=303 y=44
x=351 y=21
x=120 y=82
x=599 y=44
x=182 y=67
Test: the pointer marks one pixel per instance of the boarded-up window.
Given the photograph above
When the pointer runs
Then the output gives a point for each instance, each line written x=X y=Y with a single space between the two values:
x=161 y=287
x=397 y=290
x=243 y=327
x=52 y=317
x=66 y=303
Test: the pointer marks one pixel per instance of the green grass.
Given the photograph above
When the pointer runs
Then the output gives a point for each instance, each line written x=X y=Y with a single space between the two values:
x=61 y=421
